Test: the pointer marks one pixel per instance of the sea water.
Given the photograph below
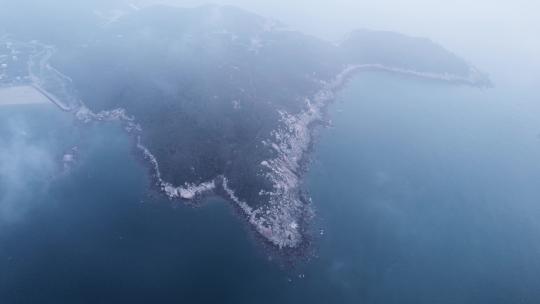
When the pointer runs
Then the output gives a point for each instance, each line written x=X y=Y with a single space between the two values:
x=424 y=193
x=429 y=193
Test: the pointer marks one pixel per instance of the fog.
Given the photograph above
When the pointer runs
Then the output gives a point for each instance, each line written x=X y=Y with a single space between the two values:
x=26 y=163
x=501 y=38
x=492 y=34
x=424 y=182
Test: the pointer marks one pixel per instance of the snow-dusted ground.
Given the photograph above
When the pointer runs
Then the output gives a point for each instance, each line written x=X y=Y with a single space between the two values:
x=186 y=191
x=281 y=220
x=42 y=75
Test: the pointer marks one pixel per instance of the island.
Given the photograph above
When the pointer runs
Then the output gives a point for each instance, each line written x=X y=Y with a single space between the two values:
x=219 y=101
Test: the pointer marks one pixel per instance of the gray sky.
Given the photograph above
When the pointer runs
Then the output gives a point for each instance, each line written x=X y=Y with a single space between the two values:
x=483 y=31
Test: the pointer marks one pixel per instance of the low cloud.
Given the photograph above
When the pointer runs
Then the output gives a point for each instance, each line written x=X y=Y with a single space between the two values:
x=26 y=164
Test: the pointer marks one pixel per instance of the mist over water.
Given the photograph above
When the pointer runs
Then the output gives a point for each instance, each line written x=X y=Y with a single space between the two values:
x=424 y=192
x=26 y=160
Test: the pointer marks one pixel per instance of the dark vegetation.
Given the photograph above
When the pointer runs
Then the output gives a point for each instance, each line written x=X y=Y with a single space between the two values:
x=207 y=84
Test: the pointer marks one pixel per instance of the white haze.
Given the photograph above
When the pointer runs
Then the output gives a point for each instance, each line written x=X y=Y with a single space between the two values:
x=500 y=37
x=25 y=167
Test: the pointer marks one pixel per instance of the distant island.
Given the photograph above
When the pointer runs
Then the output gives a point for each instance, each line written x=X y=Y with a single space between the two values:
x=219 y=101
